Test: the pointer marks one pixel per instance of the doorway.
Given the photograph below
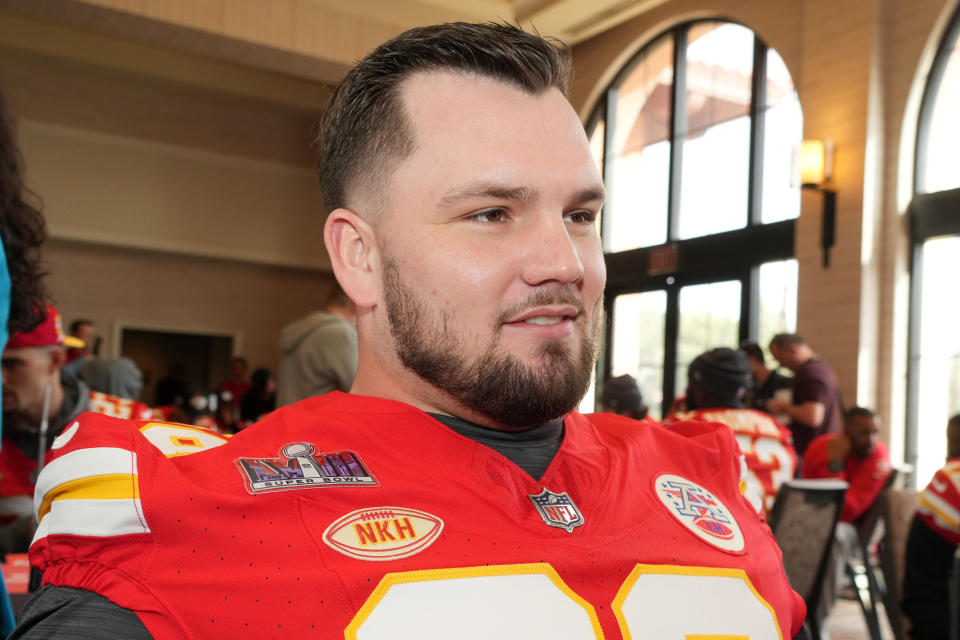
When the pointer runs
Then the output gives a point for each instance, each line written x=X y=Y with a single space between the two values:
x=205 y=358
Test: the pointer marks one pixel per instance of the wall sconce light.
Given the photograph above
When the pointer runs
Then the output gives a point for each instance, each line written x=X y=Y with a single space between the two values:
x=816 y=170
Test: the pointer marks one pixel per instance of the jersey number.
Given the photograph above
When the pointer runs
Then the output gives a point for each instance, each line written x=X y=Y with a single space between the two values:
x=532 y=602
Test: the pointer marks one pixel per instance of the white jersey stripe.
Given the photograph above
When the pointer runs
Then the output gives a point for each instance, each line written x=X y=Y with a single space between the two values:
x=947 y=516
x=83 y=463
x=99 y=518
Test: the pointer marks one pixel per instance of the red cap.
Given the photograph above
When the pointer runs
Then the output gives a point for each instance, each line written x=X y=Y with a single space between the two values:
x=48 y=333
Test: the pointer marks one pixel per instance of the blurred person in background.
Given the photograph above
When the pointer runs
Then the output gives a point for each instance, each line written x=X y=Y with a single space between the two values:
x=718 y=382
x=238 y=384
x=815 y=407
x=171 y=390
x=318 y=353
x=931 y=544
x=261 y=398
x=621 y=395
x=39 y=402
x=855 y=455
x=120 y=377
x=77 y=356
x=767 y=383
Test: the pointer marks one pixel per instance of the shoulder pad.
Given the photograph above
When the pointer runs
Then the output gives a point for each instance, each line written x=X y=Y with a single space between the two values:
x=91 y=486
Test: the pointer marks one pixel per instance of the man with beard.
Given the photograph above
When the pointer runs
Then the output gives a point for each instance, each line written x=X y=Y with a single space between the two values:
x=455 y=492
x=39 y=401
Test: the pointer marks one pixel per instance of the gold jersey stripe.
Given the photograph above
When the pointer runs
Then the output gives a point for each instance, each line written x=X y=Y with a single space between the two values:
x=105 y=487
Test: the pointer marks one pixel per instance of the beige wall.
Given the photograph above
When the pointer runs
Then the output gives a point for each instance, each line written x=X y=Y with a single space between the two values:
x=180 y=194
x=127 y=288
x=857 y=66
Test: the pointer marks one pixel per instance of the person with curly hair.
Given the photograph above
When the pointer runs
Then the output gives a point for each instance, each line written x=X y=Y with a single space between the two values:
x=22 y=293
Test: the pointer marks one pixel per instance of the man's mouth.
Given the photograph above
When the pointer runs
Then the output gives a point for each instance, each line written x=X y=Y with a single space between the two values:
x=545 y=320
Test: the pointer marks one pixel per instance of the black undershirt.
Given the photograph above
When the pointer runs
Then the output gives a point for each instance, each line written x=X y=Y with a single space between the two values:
x=530 y=449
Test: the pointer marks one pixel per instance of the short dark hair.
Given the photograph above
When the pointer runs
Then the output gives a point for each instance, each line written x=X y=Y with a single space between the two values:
x=784 y=340
x=364 y=129
x=723 y=375
x=23 y=231
x=622 y=394
x=79 y=322
x=753 y=351
x=858 y=412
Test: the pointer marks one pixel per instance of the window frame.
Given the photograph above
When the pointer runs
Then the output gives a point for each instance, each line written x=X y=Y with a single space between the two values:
x=930 y=215
x=729 y=255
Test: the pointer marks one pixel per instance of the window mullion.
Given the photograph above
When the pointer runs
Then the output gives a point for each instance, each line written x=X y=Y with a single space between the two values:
x=678 y=129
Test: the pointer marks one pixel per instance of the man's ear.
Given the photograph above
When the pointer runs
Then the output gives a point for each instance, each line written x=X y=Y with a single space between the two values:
x=353 y=250
x=58 y=357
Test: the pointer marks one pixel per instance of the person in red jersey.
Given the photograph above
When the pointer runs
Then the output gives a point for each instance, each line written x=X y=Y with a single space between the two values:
x=455 y=492
x=238 y=384
x=40 y=401
x=717 y=383
x=931 y=545
x=854 y=455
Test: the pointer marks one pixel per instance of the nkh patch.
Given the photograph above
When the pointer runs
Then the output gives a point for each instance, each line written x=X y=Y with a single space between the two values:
x=300 y=467
x=383 y=533
x=700 y=511
x=557 y=510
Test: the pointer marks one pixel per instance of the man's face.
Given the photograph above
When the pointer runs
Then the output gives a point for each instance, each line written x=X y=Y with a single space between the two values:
x=757 y=368
x=238 y=370
x=786 y=356
x=492 y=268
x=86 y=333
x=862 y=431
x=26 y=373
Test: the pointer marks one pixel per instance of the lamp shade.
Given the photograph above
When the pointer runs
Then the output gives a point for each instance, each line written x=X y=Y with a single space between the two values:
x=812 y=162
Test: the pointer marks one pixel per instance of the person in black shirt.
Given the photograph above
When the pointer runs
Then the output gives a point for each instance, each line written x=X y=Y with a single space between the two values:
x=766 y=382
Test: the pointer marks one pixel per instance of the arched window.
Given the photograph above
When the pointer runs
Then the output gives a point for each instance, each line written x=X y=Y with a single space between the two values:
x=696 y=137
x=934 y=375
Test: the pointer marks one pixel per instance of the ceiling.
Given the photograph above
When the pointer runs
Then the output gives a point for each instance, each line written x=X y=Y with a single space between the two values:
x=314 y=39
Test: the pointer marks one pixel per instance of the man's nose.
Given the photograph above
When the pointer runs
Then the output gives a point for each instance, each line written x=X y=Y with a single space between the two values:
x=552 y=256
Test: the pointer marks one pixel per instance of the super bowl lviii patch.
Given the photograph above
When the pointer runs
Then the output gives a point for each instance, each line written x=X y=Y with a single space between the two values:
x=557 y=510
x=700 y=511
x=300 y=467
x=383 y=533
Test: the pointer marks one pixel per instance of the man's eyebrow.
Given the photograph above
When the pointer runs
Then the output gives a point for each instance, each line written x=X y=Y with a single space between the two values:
x=504 y=192
x=486 y=190
x=590 y=194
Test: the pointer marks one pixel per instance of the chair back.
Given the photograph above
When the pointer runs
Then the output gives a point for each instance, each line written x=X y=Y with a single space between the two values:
x=868 y=529
x=898 y=507
x=803 y=520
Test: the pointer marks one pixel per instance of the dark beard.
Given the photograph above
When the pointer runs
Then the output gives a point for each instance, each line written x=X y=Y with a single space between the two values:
x=497 y=385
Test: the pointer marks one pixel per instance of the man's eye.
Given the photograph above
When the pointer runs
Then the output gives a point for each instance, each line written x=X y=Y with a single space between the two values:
x=581 y=217
x=490 y=215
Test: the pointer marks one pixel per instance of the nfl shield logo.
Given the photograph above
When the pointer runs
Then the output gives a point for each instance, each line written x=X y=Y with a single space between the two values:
x=557 y=510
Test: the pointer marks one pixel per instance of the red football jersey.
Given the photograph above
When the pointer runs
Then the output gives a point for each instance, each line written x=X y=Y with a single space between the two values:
x=17 y=470
x=866 y=476
x=939 y=504
x=766 y=444
x=353 y=517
